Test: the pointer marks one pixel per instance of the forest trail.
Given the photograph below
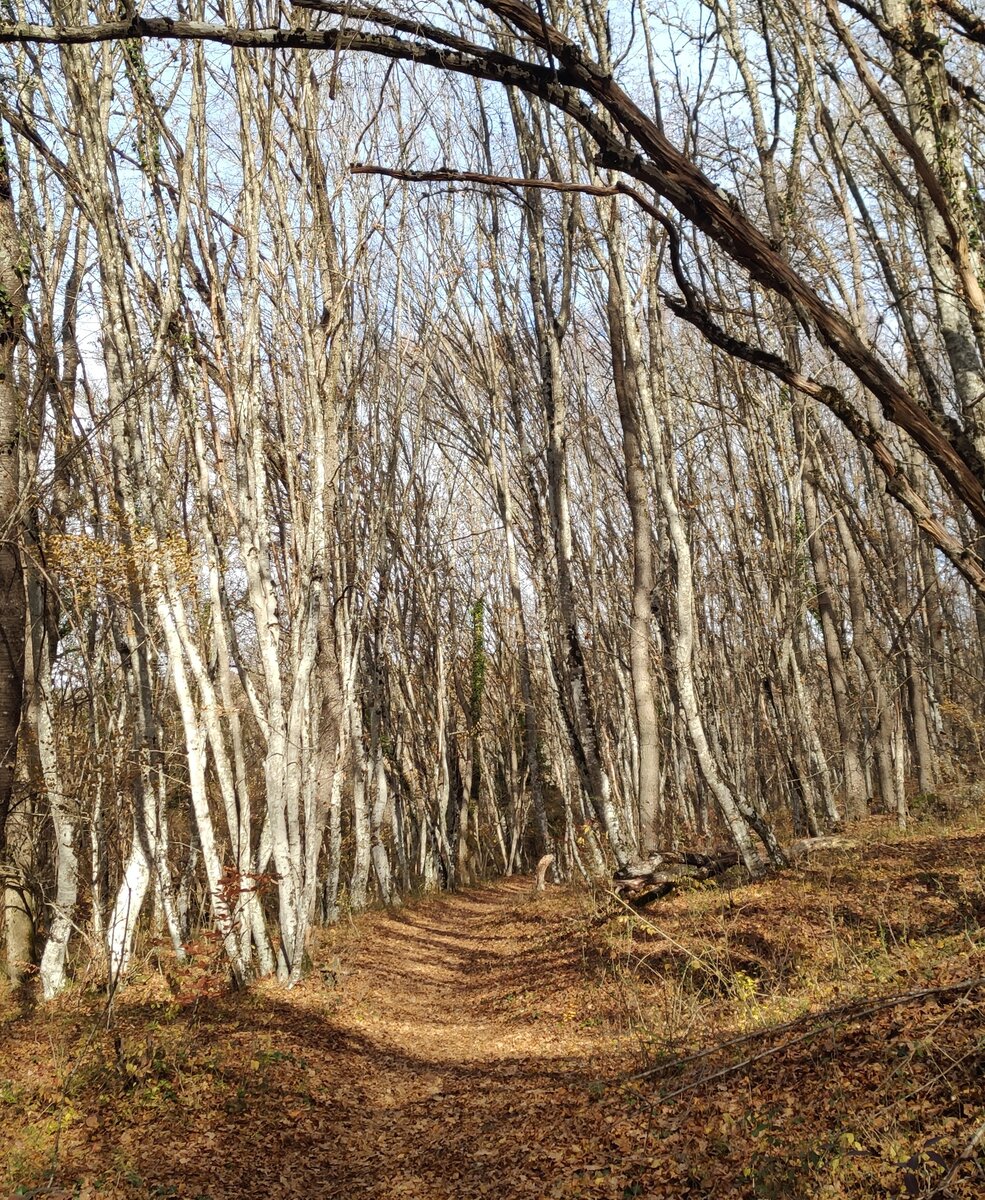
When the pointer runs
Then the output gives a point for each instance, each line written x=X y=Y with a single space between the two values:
x=459 y=1066
x=444 y=1050
x=454 y=1048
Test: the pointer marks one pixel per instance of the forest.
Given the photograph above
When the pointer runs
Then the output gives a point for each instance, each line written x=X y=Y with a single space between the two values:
x=492 y=506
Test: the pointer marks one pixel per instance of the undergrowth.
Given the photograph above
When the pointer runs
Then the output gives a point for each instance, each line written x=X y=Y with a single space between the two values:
x=733 y=996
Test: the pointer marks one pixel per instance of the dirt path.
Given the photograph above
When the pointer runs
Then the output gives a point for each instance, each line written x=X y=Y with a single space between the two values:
x=465 y=1062
x=453 y=1060
x=456 y=1058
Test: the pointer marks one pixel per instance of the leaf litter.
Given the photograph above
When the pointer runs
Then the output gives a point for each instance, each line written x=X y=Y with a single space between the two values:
x=482 y=1045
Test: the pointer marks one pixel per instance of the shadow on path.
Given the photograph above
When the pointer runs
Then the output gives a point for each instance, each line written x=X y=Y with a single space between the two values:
x=446 y=1068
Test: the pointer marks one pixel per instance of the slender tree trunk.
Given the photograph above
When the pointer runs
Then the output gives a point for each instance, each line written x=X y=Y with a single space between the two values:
x=864 y=648
x=14 y=849
x=625 y=374
x=378 y=810
x=856 y=801
x=359 y=879
x=531 y=740
x=20 y=866
x=64 y=818
x=584 y=727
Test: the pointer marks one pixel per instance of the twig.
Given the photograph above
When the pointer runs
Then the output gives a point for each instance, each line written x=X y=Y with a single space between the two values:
x=966 y=1155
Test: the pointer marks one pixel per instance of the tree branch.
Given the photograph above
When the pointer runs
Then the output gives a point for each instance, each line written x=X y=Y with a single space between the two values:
x=894 y=37
x=444 y=175
x=969 y=25
x=660 y=166
x=898 y=483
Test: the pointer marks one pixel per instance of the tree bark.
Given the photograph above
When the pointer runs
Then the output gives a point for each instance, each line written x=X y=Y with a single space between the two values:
x=625 y=370
x=13 y=296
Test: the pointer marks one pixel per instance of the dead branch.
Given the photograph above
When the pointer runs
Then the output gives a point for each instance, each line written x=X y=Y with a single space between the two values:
x=662 y=871
x=828 y=1018
x=446 y=175
x=543 y=866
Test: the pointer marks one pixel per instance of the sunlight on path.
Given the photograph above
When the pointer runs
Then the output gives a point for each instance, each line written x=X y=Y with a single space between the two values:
x=472 y=1083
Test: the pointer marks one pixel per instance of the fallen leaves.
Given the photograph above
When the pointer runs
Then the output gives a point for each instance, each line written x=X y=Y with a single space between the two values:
x=457 y=1058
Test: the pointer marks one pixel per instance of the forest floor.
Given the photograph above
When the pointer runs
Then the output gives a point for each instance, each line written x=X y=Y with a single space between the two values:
x=477 y=1045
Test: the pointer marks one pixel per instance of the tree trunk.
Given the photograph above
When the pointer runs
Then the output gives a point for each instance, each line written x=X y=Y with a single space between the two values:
x=13 y=295
x=625 y=374
x=359 y=879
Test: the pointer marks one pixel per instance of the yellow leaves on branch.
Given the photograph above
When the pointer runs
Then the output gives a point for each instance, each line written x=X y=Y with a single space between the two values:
x=97 y=569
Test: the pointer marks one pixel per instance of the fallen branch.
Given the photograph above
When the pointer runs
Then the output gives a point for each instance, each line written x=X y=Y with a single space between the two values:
x=662 y=871
x=828 y=1018
x=655 y=876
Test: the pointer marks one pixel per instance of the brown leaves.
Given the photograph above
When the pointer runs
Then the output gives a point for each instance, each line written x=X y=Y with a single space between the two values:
x=426 y=1075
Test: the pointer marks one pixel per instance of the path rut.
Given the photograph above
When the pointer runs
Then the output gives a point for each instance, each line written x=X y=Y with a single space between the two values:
x=467 y=1070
